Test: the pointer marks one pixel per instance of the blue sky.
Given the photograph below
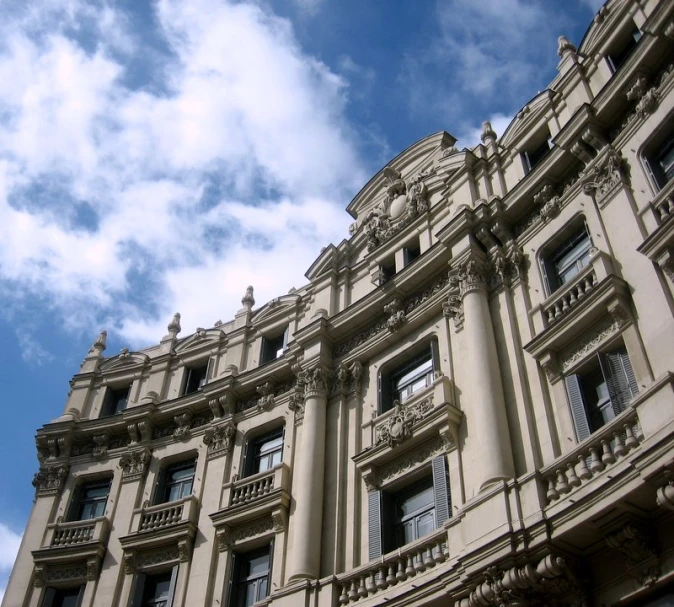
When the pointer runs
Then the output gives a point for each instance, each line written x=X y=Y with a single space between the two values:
x=160 y=155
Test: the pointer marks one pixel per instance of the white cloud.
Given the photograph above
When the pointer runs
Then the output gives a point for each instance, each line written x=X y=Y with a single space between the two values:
x=131 y=203
x=9 y=548
x=471 y=136
x=32 y=352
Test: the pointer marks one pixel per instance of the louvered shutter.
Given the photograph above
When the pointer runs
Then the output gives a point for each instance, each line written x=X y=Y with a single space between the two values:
x=374 y=514
x=138 y=589
x=384 y=389
x=578 y=411
x=172 y=586
x=230 y=589
x=271 y=565
x=620 y=379
x=48 y=600
x=441 y=490
x=629 y=373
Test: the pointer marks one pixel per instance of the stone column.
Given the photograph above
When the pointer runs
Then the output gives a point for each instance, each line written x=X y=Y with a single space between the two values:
x=308 y=476
x=485 y=411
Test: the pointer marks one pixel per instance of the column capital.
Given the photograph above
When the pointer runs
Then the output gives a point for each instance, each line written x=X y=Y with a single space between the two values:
x=470 y=274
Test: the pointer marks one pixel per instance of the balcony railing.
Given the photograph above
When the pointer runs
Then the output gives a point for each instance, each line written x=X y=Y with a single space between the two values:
x=77 y=532
x=563 y=300
x=253 y=487
x=394 y=568
x=592 y=457
x=163 y=516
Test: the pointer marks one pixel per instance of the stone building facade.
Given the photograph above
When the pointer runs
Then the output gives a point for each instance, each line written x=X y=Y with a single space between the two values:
x=471 y=402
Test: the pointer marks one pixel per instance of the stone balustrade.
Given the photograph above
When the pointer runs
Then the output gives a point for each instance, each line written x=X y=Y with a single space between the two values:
x=664 y=208
x=161 y=516
x=592 y=457
x=394 y=568
x=251 y=488
x=77 y=532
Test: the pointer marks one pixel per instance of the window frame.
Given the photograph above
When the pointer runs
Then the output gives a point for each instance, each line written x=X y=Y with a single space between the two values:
x=140 y=584
x=617 y=58
x=273 y=348
x=237 y=581
x=534 y=154
x=112 y=399
x=164 y=485
x=253 y=453
x=196 y=376
x=660 y=145
x=51 y=595
x=78 y=501
x=576 y=237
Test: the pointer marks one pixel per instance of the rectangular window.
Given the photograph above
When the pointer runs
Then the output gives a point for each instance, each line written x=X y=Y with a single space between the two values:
x=535 y=155
x=90 y=500
x=387 y=270
x=176 y=482
x=659 y=156
x=196 y=378
x=63 y=597
x=601 y=391
x=567 y=260
x=396 y=519
x=251 y=577
x=116 y=400
x=623 y=50
x=410 y=253
x=401 y=382
x=274 y=347
x=155 y=590
x=265 y=452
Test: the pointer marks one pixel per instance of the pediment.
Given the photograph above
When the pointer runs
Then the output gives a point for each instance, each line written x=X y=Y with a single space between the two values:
x=527 y=119
x=199 y=340
x=329 y=259
x=601 y=27
x=123 y=361
x=278 y=306
x=408 y=166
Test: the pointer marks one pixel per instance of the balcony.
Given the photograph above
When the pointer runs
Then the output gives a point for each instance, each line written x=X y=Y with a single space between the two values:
x=170 y=524
x=75 y=545
x=394 y=569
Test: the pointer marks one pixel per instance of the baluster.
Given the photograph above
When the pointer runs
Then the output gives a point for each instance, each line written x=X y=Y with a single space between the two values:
x=565 y=304
x=353 y=591
x=630 y=440
x=552 y=494
x=428 y=558
x=409 y=570
x=380 y=580
x=438 y=557
x=595 y=462
x=371 y=583
x=362 y=590
x=391 y=579
x=588 y=284
x=551 y=315
x=607 y=455
x=400 y=573
x=573 y=298
x=594 y=280
x=574 y=481
x=561 y=484
x=344 y=597
x=418 y=562
x=618 y=446
x=558 y=310
x=583 y=472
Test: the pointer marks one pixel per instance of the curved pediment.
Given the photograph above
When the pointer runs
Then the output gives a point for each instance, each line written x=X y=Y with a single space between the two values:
x=602 y=26
x=199 y=340
x=276 y=307
x=527 y=119
x=327 y=260
x=397 y=176
x=123 y=361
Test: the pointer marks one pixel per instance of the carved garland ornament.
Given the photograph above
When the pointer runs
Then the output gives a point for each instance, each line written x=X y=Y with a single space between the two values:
x=398 y=425
x=602 y=179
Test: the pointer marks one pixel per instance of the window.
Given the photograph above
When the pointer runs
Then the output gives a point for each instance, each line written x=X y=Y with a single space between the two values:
x=176 y=482
x=116 y=400
x=274 y=347
x=63 y=597
x=90 y=500
x=387 y=270
x=396 y=519
x=155 y=590
x=536 y=153
x=414 y=375
x=265 y=452
x=601 y=391
x=196 y=377
x=623 y=50
x=410 y=253
x=567 y=260
x=251 y=573
x=659 y=157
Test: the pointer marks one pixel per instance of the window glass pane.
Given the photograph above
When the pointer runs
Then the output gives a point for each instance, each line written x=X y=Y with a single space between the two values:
x=425 y=523
x=258 y=564
x=66 y=597
x=416 y=501
x=423 y=367
x=262 y=589
x=272 y=444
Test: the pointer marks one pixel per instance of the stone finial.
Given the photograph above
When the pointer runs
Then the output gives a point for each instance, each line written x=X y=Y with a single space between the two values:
x=100 y=344
x=248 y=301
x=174 y=326
x=564 y=46
x=488 y=133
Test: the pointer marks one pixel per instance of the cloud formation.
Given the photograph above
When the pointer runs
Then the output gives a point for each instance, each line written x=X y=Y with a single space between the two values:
x=9 y=547
x=131 y=189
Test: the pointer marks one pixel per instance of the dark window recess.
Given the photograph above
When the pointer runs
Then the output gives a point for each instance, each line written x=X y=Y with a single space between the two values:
x=410 y=254
x=250 y=579
x=156 y=590
x=196 y=378
x=405 y=380
x=567 y=260
x=264 y=452
x=624 y=50
x=660 y=160
x=176 y=481
x=274 y=347
x=601 y=392
x=90 y=500
x=63 y=597
x=386 y=272
x=535 y=155
x=400 y=518
x=116 y=400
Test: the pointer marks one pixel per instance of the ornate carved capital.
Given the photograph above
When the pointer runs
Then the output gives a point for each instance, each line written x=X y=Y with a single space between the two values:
x=315 y=381
x=219 y=439
x=637 y=550
x=604 y=177
x=49 y=480
x=468 y=276
x=134 y=464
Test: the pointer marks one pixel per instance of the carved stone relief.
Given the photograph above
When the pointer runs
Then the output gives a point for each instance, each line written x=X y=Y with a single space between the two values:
x=183 y=423
x=398 y=425
x=134 y=464
x=49 y=479
x=604 y=177
x=637 y=549
x=219 y=439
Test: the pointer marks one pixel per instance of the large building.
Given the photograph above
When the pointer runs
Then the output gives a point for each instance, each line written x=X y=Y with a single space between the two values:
x=471 y=402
